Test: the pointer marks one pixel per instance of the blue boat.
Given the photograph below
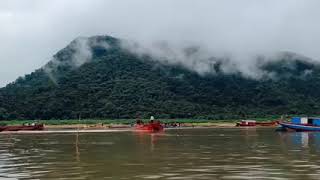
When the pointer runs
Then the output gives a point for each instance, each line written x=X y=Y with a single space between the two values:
x=302 y=124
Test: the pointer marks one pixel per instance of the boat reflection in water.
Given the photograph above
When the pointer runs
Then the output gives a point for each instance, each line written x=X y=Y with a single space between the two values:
x=148 y=139
x=301 y=139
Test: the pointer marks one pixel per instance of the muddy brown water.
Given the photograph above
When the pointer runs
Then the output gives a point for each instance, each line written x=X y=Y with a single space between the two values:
x=224 y=153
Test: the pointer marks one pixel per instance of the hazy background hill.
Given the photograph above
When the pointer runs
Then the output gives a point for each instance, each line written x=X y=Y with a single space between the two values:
x=98 y=78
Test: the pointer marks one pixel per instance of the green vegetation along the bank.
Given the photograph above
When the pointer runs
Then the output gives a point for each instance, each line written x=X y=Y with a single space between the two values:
x=122 y=121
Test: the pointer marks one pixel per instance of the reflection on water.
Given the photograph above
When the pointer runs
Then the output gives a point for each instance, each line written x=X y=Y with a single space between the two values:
x=302 y=140
x=176 y=154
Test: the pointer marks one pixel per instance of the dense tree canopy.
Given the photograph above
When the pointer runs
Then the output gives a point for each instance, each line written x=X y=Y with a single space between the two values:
x=119 y=84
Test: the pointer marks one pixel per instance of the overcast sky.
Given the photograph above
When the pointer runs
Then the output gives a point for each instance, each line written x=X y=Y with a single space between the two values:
x=32 y=31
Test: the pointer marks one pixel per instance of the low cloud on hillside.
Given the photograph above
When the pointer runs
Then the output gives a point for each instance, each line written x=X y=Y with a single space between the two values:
x=32 y=31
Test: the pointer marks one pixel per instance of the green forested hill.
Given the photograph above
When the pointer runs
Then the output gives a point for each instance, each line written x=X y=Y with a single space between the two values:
x=114 y=83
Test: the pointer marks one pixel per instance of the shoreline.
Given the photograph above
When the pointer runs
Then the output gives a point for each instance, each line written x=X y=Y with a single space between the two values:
x=84 y=128
x=126 y=126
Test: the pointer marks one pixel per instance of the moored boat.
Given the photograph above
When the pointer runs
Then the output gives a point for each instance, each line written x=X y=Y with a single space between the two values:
x=302 y=124
x=247 y=123
x=149 y=127
x=271 y=123
x=152 y=126
x=22 y=128
x=250 y=123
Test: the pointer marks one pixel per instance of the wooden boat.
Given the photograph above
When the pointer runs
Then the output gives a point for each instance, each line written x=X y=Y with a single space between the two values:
x=150 y=127
x=301 y=124
x=247 y=123
x=250 y=123
x=298 y=127
x=272 y=123
x=22 y=128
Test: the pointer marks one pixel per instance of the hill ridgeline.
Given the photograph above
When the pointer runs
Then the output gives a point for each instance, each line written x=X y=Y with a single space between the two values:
x=98 y=78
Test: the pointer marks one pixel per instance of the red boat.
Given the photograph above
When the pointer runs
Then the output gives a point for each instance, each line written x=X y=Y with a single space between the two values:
x=150 y=127
x=22 y=128
x=272 y=123
x=247 y=123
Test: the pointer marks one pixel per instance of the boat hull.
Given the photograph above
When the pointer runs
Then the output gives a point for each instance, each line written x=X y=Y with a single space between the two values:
x=273 y=123
x=299 y=127
x=149 y=128
x=22 y=128
x=250 y=124
x=245 y=125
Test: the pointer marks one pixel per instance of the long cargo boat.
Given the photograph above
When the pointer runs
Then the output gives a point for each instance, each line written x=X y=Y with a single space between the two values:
x=301 y=124
x=250 y=123
x=36 y=127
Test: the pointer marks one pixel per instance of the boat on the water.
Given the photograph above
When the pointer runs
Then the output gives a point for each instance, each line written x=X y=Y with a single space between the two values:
x=34 y=127
x=271 y=123
x=250 y=123
x=247 y=123
x=152 y=126
x=149 y=127
x=301 y=124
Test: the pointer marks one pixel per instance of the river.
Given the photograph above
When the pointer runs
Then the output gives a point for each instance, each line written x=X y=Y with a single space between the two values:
x=221 y=153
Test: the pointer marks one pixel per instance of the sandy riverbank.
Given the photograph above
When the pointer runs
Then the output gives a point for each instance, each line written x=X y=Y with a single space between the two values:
x=125 y=126
x=98 y=128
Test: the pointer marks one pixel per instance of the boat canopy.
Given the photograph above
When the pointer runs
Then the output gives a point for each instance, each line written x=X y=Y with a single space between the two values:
x=249 y=121
x=315 y=121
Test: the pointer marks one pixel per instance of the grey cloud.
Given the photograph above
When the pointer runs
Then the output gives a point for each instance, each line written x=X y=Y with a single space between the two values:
x=80 y=53
x=32 y=31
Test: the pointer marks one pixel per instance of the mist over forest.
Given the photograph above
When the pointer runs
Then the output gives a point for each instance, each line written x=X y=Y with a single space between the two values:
x=106 y=77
